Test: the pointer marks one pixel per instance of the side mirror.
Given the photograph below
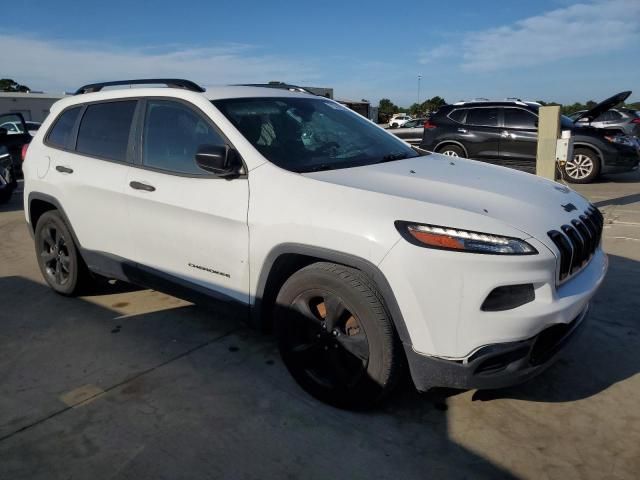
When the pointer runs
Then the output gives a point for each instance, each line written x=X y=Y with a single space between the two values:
x=218 y=159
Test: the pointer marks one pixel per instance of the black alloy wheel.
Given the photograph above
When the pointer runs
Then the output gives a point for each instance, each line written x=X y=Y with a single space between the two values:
x=336 y=337
x=58 y=257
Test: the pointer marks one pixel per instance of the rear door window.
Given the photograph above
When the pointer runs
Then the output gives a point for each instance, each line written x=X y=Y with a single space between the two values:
x=60 y=134
x=485 y=117
x=104 y=130
x=519 y=118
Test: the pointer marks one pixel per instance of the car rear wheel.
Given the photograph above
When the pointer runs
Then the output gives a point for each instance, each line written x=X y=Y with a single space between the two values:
x=584 y=167
x=336 y=337
x=58 y=256
x=451 y=151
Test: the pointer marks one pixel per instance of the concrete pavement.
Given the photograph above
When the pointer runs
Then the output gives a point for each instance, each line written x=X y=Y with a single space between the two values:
x=130 y=383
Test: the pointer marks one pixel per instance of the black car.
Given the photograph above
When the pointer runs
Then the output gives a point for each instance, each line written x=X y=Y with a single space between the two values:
x=14 y=134
x=7 y=180
x=506 y=132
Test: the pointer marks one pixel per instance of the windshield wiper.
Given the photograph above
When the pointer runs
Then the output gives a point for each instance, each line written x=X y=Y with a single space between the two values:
x=393 y=156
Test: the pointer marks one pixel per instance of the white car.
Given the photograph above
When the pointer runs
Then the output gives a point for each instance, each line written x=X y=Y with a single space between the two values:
x=399 y=119
x=363 y=253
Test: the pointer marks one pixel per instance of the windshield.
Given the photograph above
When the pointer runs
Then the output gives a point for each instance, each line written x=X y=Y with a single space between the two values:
x=309 y=134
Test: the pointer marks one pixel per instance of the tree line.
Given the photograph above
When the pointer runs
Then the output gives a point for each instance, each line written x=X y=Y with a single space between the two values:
x=9 y=85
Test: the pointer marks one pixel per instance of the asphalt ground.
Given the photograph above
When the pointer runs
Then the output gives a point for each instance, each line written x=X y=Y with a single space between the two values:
x=131 y=384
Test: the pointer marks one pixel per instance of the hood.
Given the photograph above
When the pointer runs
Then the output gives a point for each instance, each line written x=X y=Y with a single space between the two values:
x=603 y=106
x=530 y=204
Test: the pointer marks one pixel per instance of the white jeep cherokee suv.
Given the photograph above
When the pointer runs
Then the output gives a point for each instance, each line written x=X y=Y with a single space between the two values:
x=364 y=254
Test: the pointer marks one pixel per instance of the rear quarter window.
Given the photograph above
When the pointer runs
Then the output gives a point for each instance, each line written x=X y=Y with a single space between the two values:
x=60 y=134
x=458 y=115
x=104 y=129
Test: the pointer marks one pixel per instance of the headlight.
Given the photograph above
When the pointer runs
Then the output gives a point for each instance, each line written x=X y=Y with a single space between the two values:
x=621 y=139
x=445 y=238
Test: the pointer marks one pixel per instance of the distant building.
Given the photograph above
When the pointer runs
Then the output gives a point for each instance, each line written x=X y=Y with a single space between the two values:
x=321 y=91
x=33 y=106
x=363 y=107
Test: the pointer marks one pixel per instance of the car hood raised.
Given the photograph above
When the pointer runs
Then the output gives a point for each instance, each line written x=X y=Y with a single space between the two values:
x=602 y=107
x=530 y=204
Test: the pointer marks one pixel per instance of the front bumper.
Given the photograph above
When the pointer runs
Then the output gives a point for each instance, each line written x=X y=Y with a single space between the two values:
x=498 y=365
x=621 y=159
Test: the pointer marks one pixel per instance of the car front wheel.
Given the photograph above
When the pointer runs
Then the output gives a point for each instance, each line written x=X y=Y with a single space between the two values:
x=584 y=167
x=336 y=337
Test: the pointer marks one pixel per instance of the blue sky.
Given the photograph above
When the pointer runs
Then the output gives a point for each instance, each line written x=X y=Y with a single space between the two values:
x=546 y=49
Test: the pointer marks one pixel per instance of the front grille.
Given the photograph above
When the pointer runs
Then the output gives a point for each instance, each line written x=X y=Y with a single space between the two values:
x=577 y=242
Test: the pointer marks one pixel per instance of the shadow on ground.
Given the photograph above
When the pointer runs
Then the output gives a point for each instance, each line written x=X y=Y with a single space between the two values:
x=185 y=393
x=619 y=201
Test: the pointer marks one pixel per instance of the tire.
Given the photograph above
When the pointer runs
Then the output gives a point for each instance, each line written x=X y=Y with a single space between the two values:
x=336 y=337
x=394 y=125
x=58 y=257
x=451 y=150
x=583 y=168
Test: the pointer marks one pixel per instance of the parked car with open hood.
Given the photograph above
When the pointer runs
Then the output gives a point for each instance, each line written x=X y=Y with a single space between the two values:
x=7 y=180
x=14 y=135
x=625 y=120
x=363 y=254
x=507 y=131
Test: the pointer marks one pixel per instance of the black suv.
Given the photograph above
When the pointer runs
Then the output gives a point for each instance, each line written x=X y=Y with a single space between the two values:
x=505 y=132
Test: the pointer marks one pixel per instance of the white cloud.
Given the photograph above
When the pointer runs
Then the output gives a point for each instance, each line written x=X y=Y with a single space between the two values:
x=437 y=53
x=57 y=66
x=602 y=26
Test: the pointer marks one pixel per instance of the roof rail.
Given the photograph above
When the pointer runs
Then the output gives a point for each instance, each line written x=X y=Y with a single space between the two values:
x=169 y=82
x=481 y=99
x=473 y=100
x=279 y=85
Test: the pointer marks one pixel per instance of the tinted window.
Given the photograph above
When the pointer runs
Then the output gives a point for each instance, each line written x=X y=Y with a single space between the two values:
x=306 y=134
x=615 y=115
x=411 y=124
x=487 y=117
x=60 y=134
x=172 y=134
x=458 y=115
x=519 y=118
x=104 y=130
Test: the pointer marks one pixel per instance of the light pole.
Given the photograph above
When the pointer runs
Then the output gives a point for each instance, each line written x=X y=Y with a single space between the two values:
x=419 y=78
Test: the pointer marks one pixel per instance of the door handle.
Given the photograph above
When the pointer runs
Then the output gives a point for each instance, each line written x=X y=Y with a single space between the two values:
x=462 y=130
x=62 y=169
x=142 y=186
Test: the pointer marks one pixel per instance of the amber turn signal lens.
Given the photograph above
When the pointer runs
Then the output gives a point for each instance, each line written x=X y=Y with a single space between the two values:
x=441 y=241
